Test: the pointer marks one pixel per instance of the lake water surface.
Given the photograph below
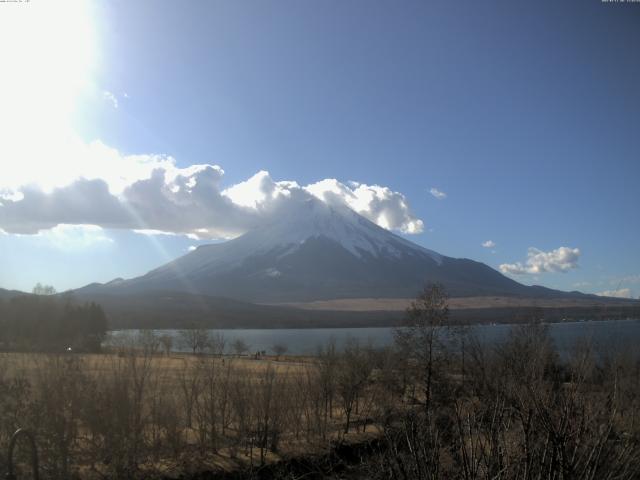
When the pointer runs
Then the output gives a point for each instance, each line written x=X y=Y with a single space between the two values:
x=305 y=341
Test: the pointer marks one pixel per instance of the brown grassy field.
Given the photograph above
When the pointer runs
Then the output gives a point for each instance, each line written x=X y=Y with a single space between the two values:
x=459 y=303
x=169 y=366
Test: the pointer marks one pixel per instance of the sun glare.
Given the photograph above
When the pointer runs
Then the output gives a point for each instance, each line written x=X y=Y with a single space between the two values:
x=48 y=54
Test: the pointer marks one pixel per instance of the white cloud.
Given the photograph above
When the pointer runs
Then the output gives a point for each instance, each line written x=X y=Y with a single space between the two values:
x=489 y=244
x=152 y=195
x=111 y=98
x=381 y=205
x=191 y=248
x=621 y=293
x=440 y=195
x=9 y=195
x=259 y=190
x=561 y=260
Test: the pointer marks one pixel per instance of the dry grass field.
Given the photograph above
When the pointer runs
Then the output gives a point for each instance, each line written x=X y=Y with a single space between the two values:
x=456 y=303
x=169 y=366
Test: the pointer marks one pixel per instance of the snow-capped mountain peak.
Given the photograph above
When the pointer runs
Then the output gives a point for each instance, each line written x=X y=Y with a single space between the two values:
x=317 y=251
x=340 y=224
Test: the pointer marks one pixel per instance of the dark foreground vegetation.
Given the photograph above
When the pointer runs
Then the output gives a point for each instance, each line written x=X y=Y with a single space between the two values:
x=439 y=405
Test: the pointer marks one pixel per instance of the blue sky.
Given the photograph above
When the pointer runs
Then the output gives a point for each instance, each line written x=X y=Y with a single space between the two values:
x=525 y=114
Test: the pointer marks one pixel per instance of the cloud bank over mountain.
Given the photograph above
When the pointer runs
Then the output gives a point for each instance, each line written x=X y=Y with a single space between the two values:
x=99 y=186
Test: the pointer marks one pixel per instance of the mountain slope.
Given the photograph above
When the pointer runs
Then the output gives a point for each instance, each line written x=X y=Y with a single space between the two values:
x=7 y=294
x=319 y=252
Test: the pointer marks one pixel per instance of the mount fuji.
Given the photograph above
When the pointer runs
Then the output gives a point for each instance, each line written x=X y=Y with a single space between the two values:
x=319 y=251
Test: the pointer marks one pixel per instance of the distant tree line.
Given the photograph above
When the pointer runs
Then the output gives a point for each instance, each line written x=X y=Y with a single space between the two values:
x=45 y=322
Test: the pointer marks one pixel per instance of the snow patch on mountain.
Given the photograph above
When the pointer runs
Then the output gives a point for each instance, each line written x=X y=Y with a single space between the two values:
x=341 y=224
x=312 y=220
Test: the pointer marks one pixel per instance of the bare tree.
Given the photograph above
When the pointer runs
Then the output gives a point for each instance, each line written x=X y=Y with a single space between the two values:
x=166 y=341
x=195 y=339
x=353 y=374
x=328 y=364
x=148 y=341
x=279 y=349
x=189 y=378
x=240 y=346
x=217 y=344
x=269 y=407
x=421 y=334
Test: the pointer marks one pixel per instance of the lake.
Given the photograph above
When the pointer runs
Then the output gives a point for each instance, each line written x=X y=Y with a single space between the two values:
x=302 y=341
